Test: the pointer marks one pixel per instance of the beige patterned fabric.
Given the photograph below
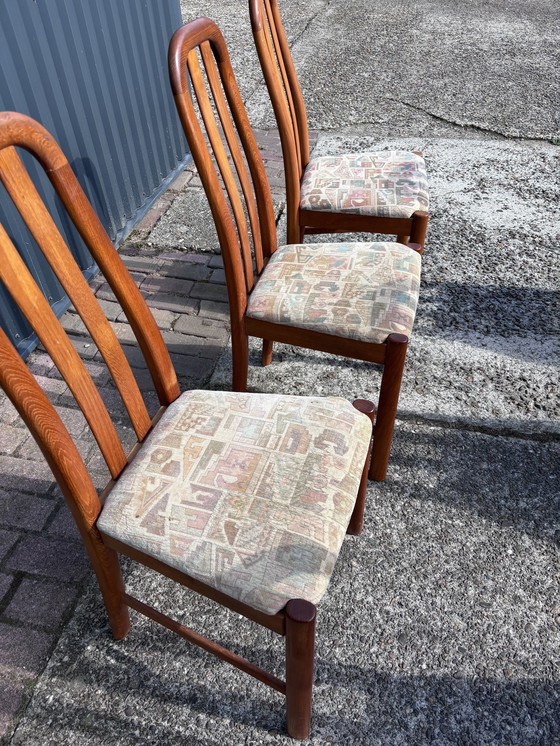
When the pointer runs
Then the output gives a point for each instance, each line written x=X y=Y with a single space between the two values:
x=362 y=291
x=249 y=493
x=385 y=183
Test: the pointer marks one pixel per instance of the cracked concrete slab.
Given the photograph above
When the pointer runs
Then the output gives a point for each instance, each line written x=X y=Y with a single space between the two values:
x=389 y=66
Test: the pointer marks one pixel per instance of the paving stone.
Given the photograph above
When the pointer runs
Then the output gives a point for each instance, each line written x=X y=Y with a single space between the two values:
x=11 y=697
x=171 y=285
x=197 y=370
x=41 y=555
x=23 y=475
x=218 y=276
x=84 y=346
x=111 y=309
x=63 y=524
x=181 y=181
x=142 y=263
x=50 y=385
x=40 y=363
x=26 y=512
x=207 y=291
x=185 y=270
x=72 y=323
x=11 y=438
x=23 y=650
x=185 y=256
x=5 y=583
x=216 y=261
x=214 y=310
x=155 y=212
x=200 y=327
x=7 y=541
x=164 y=319
x=8 y=413
x=44 y=603
x=72 y=418
x=184 y=344
x=98 y=372
x=31 y=450
x=175 y=304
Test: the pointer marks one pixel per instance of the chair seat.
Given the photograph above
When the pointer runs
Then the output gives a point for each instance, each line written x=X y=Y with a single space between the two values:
x=248 y=493
x=385 y=183
x=362 y=291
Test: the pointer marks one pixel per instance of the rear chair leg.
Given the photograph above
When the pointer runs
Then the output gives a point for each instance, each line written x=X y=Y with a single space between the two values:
x=107 y=568
x=387 y=405
x=240 y=360
x=266 y=357
x=300 y=651
x=403 y=239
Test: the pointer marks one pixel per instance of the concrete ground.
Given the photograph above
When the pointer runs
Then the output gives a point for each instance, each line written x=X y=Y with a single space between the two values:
x=442 y=621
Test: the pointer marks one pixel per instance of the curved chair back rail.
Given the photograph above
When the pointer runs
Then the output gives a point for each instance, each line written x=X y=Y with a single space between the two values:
x=296 y=618
x=289 y=109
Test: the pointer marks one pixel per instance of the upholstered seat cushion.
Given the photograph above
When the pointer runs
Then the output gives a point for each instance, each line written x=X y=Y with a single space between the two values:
x=385 y=183
x=249 y=493
x=362 y=291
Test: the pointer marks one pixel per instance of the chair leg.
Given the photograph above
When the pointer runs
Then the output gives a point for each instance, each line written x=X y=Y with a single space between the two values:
x=240 y=360
x=387 y=405
x=357 y=517
x=403 y=239
x=419 y=227
x=266 y=357
x=300 y=650
x=107 y=568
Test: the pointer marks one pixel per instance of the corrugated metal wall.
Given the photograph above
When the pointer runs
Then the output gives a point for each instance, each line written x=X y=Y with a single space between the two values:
x=94 y=73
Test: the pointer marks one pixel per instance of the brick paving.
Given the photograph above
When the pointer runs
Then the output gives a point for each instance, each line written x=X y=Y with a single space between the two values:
x=43 y=566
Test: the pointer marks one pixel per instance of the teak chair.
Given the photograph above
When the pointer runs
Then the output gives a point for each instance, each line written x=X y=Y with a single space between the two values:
x=352 y=299
x=243 y=498
x=375 y=192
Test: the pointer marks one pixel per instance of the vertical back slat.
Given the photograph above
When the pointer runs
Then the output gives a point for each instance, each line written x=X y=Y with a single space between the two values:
x=41 y=225
x=25 y=292
x=235 y=150
x=275 y=20
x=199 y=88
x=276 y=55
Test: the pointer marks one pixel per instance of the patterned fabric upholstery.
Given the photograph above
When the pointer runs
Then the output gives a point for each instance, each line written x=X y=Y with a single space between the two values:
x=249 y=493
x=387 y=183
x=361 y=291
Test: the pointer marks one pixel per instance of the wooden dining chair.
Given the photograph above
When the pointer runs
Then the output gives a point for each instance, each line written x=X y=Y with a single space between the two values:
x=351 y=299
x=243 y=498
x=383 y=191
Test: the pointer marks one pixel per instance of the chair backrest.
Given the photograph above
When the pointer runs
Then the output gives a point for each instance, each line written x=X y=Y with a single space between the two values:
x=15 y=377
x=283 y=88
x=199 y=49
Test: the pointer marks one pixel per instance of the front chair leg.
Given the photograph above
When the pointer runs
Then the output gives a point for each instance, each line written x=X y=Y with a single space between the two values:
x=387 y=407
x=300 y=651
x=357 y=518
x=419 y=227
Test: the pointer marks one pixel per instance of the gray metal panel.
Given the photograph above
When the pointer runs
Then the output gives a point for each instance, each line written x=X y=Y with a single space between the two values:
x=94 y=73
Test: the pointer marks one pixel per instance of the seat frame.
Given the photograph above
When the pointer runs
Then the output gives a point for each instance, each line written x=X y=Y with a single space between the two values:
x=297 y=620
x=245 y=254
x=291 y=117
